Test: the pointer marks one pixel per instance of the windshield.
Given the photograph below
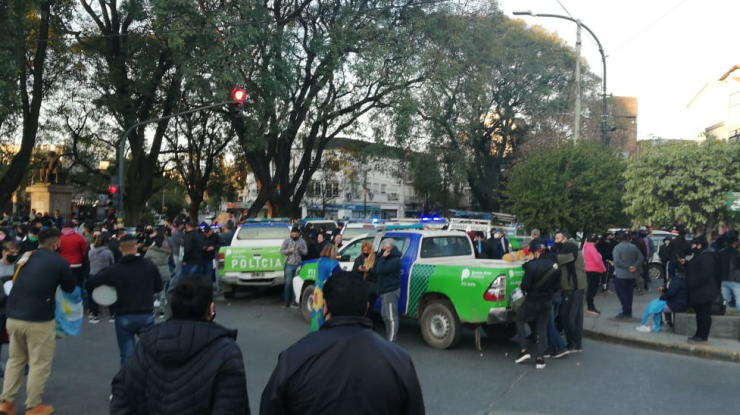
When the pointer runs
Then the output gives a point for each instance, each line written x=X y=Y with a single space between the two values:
x=351 y=233
x=263 y=232
x=444 y=246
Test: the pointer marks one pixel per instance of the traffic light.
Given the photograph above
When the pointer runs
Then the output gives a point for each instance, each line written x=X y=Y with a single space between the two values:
x=114 y=193
x=238 y=96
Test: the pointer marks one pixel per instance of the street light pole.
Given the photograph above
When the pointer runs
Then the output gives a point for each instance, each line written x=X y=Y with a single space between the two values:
x=604 y=108
x=577 y=127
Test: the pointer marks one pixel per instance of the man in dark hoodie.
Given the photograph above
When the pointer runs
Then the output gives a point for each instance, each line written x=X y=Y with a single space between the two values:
x=194 y=242
x=136 y=280
x=188 y=365
x=322 y=374
x=388 y=270
x=31 y=324
x=31 y=241
x=541 y=280
x=701 y=281
x=678 y=250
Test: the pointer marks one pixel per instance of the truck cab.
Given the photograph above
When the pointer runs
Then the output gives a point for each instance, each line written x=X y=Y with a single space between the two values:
x=442 y=284
x=254 y=258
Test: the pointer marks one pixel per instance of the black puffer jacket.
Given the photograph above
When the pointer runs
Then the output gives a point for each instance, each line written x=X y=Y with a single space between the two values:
x=701 y=277
x=182 y=367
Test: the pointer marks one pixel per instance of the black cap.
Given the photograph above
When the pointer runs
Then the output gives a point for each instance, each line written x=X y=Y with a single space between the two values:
x=295 y=229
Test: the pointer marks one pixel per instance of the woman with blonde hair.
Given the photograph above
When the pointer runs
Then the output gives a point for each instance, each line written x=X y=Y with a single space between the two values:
x=328 y=266
x=363 y=267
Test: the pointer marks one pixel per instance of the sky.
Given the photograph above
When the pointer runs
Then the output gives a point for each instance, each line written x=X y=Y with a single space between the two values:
x=660 y=51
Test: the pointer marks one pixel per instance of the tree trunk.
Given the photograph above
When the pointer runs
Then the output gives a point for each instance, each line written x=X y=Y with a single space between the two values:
x=31 y=106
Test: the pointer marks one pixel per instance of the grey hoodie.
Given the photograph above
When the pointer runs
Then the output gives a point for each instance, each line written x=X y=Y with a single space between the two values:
x=100 y=258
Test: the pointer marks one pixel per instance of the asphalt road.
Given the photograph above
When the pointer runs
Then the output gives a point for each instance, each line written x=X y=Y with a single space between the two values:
x=604 y=379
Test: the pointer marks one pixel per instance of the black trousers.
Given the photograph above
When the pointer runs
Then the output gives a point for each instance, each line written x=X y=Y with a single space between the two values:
x=538 y=311
x=594 y=280
x=703 y=319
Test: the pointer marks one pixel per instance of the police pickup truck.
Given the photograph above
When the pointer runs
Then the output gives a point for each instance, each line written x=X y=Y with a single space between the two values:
x=254 y=258
x=442 y=284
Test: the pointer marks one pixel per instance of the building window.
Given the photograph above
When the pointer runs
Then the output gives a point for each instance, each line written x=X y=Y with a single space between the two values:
x=735 y=106
x=382 y=189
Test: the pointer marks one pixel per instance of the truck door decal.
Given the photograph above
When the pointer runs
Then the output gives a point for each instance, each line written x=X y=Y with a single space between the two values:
x=418 y=283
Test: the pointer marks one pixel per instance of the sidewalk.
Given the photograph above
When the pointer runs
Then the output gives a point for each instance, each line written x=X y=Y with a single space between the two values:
x=606 y=328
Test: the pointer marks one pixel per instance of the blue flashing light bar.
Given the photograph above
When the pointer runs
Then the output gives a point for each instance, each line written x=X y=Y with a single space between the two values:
x=267 y=220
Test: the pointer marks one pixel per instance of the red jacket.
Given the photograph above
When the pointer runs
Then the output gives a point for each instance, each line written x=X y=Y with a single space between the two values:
x=72 y=247
x=593 y=259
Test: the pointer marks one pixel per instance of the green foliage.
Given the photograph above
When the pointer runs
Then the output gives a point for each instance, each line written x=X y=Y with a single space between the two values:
x=683 y=181
x=489 y=80
x=574 y=187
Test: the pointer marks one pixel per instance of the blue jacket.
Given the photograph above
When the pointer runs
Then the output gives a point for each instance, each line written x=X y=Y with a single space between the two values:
x=675 y=295
x=388 y=270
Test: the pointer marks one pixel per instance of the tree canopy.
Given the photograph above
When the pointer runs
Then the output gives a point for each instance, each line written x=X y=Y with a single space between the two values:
x=576 y=187
x=682 y=181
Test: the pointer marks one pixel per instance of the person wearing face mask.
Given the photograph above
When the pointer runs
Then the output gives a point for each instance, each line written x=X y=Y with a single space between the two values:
x=31 y=325
x=388 y=269
x=364 y=268
x=499 y=242
x=293 y=248
x=31 y=241
x=187 y=365
x=11 y=250
x=701 y=282
x=483 y=249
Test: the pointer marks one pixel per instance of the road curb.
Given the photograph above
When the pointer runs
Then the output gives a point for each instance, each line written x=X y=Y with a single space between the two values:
x=687 y=349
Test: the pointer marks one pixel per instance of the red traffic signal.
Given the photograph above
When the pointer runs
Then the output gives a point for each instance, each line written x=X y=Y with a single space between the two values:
x=239 y=95
x=113 y=189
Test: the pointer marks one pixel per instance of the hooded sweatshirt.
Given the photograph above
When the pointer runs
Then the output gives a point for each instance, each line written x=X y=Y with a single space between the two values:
x=136 y=280
x=388 y=270
x=100 y=258
x=182 y=366
x=72 y=247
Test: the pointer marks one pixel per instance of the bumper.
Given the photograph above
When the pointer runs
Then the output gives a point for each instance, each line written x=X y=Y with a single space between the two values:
x=297 y=287
x=250 y=279
x=501 y=315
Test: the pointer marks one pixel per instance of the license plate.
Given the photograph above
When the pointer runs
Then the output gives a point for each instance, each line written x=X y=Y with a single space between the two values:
x=253 y=274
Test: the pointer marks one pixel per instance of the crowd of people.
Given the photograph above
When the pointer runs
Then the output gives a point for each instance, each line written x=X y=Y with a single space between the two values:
x=188 y=363
x=700 y=276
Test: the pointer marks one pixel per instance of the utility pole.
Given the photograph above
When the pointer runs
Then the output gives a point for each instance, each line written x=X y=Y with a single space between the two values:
x=577 y=126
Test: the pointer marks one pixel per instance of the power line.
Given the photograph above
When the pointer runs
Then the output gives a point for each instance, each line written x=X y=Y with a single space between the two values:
x=648 y=26
x=566 y=10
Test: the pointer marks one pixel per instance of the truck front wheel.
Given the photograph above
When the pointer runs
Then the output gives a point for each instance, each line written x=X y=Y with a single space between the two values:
x=440 y=326
x=307 y=302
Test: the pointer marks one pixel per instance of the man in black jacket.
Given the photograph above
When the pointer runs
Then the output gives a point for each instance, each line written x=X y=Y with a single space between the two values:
x=388 y=270
x=136 y=280
x=678 y=250
x=188 y=365
x=541 y=280
x=322 y=374
x=194 y=242
x=483 y=249
x=701 y=282
x=31 y=325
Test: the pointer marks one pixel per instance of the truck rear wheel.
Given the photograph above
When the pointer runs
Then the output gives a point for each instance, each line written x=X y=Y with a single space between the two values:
x=307 y=302
x=500 y=331
x=440 y=326
x=655 y=271
x=229 y=291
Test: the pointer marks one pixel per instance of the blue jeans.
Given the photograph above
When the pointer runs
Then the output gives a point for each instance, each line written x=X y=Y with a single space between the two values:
x=128 y=326
x=288 y=294
x=188 y=269
x=554 y=341
x=731 y=289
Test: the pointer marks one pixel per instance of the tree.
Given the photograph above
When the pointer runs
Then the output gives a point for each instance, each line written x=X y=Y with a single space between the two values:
x=574 y=187
x=198 y=142
x=227 y=180
x=683 y=181
x=314 y=69
x=492 y=79
x=31 y=47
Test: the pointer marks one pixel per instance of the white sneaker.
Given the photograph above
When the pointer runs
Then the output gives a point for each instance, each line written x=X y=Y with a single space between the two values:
x=156 y=303
x=644 y=329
